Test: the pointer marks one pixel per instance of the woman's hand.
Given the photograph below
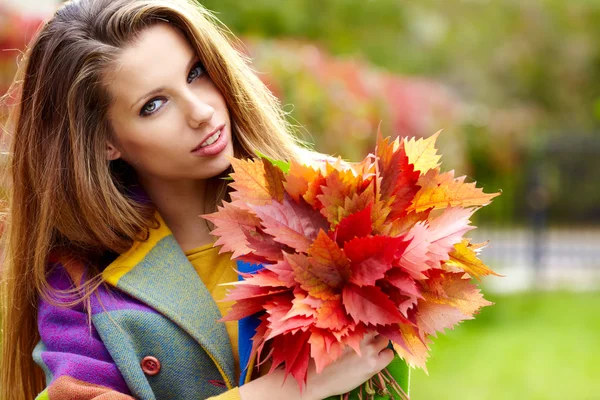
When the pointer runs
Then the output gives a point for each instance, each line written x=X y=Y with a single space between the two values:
x=350 y=370
x=346 y=373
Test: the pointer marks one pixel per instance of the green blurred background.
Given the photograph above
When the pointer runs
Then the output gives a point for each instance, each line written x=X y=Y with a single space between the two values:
x=515 y=85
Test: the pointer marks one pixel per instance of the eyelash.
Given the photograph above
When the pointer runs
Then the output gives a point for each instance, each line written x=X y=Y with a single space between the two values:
x=146 y=114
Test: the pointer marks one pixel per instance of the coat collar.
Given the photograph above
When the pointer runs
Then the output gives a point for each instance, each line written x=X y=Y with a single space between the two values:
x=158 y=273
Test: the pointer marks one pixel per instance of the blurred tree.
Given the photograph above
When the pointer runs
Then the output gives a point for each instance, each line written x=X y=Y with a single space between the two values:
x=523 y=70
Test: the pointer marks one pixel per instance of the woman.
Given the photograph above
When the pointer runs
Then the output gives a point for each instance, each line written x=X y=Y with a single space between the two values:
x=127 y=113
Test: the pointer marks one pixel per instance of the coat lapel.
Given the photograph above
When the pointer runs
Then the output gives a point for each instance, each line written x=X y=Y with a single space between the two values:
x=158 y=273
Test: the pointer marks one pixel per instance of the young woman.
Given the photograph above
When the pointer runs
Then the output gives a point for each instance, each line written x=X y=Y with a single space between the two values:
x=126 y=114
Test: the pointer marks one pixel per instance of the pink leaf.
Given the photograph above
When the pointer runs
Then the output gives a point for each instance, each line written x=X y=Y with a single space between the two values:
x=295 y=225
x=231 y=223
x=368 y=304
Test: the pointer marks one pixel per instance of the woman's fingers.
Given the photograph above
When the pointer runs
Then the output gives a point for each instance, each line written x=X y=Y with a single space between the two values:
x=385 y=358
x=372 y=344
x=380 y=342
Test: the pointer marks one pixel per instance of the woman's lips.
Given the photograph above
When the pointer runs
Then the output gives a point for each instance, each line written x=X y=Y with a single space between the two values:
x=214 y=148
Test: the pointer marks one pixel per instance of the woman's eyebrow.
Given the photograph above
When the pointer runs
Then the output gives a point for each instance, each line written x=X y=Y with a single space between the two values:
x=155 y=91
x=160 y=89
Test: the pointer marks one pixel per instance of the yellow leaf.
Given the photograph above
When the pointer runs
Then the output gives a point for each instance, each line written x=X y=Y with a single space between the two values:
x=442 y=191
x=464 y=257
x=452 y=289
x=256 y=182
x=413 y=350
x=422 y=153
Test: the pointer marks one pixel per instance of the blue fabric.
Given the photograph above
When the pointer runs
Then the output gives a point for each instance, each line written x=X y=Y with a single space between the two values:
x=246 y=326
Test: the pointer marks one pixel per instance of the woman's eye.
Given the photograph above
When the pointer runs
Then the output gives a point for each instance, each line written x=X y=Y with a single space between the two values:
x=151 y=107
x=196 y=72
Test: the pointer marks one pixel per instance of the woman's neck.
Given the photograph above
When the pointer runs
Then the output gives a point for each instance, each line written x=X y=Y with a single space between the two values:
x=180 y=204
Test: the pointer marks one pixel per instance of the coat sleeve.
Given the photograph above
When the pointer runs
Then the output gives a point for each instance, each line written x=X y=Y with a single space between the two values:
x=76 y=363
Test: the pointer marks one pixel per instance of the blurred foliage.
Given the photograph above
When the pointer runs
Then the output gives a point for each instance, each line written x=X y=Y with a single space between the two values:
x=342 y=102
x=523 y=71
x=542 y=54
x=15 y=31
x=505 y=79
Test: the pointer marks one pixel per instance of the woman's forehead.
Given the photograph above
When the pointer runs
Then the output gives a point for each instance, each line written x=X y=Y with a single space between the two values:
x=159 y=55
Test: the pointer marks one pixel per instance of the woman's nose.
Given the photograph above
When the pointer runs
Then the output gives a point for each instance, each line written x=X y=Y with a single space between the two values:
x=198 y=111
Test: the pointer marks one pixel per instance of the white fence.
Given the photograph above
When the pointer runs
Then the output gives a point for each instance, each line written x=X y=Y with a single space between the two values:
x=557 y=258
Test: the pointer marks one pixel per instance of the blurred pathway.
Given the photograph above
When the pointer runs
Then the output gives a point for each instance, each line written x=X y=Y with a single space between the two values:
x=567 y=259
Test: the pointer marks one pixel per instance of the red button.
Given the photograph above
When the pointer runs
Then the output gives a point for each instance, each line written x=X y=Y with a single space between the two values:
x=150 y=365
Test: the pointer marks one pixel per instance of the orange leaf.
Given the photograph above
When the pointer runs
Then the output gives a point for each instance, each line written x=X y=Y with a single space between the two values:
x=338 y=185
x=414 y=259
x=256 y=182
x=328 y=261
x=357 y=202
x=251 y=292
x=298 y=179
x=379 y=215
x=430 y=244
x=385 y=151
x=263 y=277
x=324 y=349
x=445 y=231
x=401 y=225
x=300 y=307
x=310 y=279
x=244 y=309
x=452 y=289
x=435 y=317
x=284 y=272
x=413 y=349
x=332 y=315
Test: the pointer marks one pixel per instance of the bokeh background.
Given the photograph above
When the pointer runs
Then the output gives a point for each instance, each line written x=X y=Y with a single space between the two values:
x=515 y=86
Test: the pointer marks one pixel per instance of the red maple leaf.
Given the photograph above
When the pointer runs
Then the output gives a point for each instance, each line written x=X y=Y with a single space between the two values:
x=399 y=180
x=354 y=225
x=372 y=257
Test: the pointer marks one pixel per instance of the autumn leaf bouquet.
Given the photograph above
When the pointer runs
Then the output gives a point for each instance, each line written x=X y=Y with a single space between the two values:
x=352 y=248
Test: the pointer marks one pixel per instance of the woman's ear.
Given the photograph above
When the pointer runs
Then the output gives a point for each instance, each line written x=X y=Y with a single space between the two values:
x=112 y=153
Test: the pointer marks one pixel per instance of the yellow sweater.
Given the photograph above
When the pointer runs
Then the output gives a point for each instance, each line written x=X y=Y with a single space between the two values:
x=214 y=268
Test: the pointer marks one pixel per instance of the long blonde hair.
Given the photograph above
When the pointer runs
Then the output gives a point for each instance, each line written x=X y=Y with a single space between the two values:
x=57 y=166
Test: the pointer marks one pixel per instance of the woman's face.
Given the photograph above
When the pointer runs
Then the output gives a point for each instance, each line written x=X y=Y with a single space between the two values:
x=171 y=122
